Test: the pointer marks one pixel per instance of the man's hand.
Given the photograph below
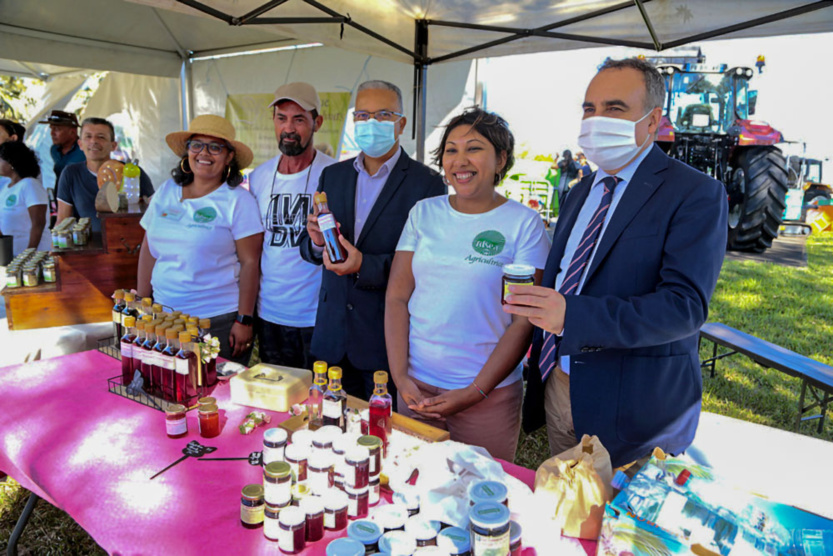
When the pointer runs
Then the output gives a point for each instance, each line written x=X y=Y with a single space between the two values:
x=313 y=229
x=544 y=307
x=349 y=266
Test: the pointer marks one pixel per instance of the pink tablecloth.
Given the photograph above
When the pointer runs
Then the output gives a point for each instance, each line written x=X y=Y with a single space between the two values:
x=92 y=453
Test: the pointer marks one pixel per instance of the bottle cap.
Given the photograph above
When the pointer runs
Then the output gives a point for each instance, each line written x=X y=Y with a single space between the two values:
x=160 y=328
x=252 y=492
x=205 y=324
x=156 y=307
x=178 y=328
x=489 y=515
x=211 y=408
x=140 y=325
x=179 y=321
x=276 y=469
x=320 y=198
x=130 y=322
x=184 y=337
x=129 y=296
x=118 y=294
x=147 y=318
x=207 y=400
x=380 y=377
x=175 y=408
x=147 y=302
x=334 y=373
x=193 y=331
x=195 y=320
x=170 y=333
x=176 y=313
x=319 y=367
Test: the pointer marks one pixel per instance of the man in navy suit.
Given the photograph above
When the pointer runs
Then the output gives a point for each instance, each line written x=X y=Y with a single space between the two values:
x=370 y=197
x=634 y=261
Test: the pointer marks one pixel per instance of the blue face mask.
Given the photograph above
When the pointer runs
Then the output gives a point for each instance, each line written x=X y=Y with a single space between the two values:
x=375 y=138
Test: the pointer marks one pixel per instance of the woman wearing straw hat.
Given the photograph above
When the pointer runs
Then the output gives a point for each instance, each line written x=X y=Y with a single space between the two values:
x=203 y=238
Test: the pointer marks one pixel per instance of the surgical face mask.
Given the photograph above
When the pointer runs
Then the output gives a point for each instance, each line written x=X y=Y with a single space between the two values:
x=375 y=138
x=610 y=143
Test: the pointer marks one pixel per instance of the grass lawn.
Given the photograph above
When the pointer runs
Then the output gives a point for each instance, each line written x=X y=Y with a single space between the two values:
x=792 y=307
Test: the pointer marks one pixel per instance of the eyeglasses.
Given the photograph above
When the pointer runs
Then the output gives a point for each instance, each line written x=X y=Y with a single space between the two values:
x=379 y=115
x=196 y=147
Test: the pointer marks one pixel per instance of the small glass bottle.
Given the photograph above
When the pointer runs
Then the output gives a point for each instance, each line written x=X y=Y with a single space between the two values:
x=127 y=350
x=158 y=347
x=274 y=444
x=146 y=307
x=335 y=401
x=271 y=525
x=329 y=229
x=176 y=423
x=167 y=365
x=292 y=538
x=296 y=456
x=118 y=307
x=313 y=508
x=335 y=510
x=209 y=421
x=185 y=366
x=148 y=357
x=380 y=410
x=157 y=310
x=316 y=394
x=138 y=353
x=252 y=507
x=129 y=306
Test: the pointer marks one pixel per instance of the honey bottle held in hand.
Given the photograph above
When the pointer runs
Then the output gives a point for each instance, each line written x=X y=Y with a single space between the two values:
x=327 y=223
x=335 y=400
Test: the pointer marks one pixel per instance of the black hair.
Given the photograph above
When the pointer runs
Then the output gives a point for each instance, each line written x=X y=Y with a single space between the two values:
x=22 y=159
x=183 y=175
x=13 y=128
x=100 y=121
x=488 y=124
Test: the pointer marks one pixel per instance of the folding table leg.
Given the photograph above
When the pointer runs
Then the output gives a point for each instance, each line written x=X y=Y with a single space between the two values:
x=825 y=401
x=800 y=405
x=11 y=550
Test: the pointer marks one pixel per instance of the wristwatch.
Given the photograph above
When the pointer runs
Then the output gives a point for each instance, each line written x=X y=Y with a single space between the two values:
x=245 y=320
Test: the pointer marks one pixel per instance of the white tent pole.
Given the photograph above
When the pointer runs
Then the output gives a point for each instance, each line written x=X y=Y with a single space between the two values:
x=186 y=83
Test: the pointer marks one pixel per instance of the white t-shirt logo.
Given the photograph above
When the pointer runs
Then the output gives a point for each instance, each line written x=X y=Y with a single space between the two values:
x=286 y=219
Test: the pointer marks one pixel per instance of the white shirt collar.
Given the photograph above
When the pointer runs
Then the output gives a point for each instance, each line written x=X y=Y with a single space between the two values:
x=385 y=169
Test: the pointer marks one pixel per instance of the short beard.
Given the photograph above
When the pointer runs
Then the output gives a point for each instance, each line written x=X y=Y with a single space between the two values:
x=295 y=149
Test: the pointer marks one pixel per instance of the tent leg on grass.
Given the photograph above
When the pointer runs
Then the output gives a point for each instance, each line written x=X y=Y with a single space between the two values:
x=11 y=550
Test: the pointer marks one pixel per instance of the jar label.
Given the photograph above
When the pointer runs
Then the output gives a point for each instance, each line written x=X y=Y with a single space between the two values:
x=326 y=221
x=330 y=520
x=286 y=540
x=490 y=545
x=352 y=506
x=177 y=427
x=127 y=349
x=507 y=284
x=181 y=366
x=251 y=515
x=277 y=494
x=271 y=528
x=149 y=357
x=373 y=495
x=116 y=317
x=165 y=362
x=272 y=454
x=332 y=409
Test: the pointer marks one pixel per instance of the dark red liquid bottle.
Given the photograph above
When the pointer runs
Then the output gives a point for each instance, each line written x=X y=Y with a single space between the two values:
x=156 y=370
x=381 y=409
x=167 y=365
x=327 y=223
x=147 y=356
x=185 y=377
x=127 y=350
x=118 y=308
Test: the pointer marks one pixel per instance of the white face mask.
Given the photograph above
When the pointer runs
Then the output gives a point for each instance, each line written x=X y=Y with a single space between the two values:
x=610 y=143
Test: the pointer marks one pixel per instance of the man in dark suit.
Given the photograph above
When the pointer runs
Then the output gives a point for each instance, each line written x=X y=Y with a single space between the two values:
x=635 y=258
x=370 y=197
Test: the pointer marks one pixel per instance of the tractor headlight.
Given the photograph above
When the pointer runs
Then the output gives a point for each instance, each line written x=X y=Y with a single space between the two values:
x=739 y=71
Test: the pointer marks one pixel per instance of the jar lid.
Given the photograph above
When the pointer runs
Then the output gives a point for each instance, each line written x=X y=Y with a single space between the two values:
x=334 y=373
x=300 y=491
x=156 y=307
x=422 y=529
x=277 y=470
x=312 y=505
x=370 y=441
x=488 y=491
x=253 y=492
x=489 y=515
x=454 y=540
x=357 y=454
x=518 y=269
x=303 y=437
x=273 y=437
x=326 y=435
x=175 y=408
x=335 y=500
x=208 y=408
x=364 y=531
x=296 y=452
x=392 y=516
x=205 y=324
x=345 y=547
x=515 y=532
x=292 y=516
x=343 y=443
x=397 y=542
x=320 y=460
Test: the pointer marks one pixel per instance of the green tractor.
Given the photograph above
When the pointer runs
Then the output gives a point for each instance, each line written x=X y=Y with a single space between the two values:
x=805 y=175
x=707 y=125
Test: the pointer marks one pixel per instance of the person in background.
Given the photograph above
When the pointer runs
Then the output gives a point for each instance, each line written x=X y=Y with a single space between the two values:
x=78 y=185
x=635 y=258
x=454 y=354
x=10 y=131
x=584 y=169
x=23 y=199
x=201 y=252
x=370 y=197
x=283 y=187
x=63 y=128
x=569 y=172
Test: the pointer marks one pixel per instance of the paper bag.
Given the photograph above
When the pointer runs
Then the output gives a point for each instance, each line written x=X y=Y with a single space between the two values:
x=576 y=485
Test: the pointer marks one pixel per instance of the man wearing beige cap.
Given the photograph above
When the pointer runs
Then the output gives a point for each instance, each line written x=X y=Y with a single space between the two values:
x=283 y=187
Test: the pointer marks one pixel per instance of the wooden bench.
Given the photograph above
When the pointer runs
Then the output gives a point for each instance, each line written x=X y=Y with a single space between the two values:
x=816 y=378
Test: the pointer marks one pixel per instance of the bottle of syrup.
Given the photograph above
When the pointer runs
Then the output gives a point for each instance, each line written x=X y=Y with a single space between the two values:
x=146 y=308
x=211 y=365
x=316 y=394
x=335 y=401
x=148 y=357
x=119 y=306
x=158 y=347
x=185 y=363
x=130 y=307
x=167 y=365
x=127 y=349
x=137 y=346
x=381 y=404
x=327 y=223
x=157 y=310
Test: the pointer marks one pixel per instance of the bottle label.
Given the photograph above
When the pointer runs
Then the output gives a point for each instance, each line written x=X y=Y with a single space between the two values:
x=507 y=284
x=286 y=540
x=177 y=427
x=127 y=349
x=332 y=409
x=181 y=366
x=490 y=546
x=330 y=520
x=117 y=317
x=165 y=362
x=326 y=221
x=251 y=515
x=150 y=358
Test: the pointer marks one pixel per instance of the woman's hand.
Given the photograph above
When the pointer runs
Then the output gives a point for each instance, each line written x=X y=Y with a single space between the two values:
x=449 y=403
x=240 y=338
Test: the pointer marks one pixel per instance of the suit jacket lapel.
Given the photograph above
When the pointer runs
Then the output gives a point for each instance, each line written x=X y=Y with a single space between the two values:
x=645 y=181
x=395 y=179
x=566 y=220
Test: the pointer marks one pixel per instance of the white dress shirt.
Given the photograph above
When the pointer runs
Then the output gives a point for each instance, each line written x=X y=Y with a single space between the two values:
x=368 y=188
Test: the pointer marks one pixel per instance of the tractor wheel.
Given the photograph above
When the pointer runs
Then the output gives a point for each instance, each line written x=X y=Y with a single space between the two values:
x=757 y=198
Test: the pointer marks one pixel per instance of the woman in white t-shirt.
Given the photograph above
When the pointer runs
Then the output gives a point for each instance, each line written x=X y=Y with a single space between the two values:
x=454 y=354
x=201 y=252
x=23 y=200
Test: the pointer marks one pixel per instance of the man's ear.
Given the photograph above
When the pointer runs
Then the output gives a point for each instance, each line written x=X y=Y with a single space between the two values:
x=319 y=121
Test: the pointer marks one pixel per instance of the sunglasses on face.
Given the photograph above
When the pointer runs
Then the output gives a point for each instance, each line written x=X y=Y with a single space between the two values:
x=196 y=147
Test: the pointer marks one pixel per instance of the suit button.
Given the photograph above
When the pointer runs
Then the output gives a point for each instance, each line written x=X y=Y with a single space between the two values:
x=349 y=306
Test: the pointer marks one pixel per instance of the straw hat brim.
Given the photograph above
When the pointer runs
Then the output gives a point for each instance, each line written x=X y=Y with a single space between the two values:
x=176 y=141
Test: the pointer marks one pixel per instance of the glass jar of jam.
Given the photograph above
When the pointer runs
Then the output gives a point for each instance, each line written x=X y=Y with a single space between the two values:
x=176 y=424
x=397 y=542
x=455 y=541
x=423 y=531
x=489 y=528
x=335 y=510
x=374 y=446
x=516 y=275
x=374 y=491
x=320 y=472
x=252 y=506
x=271 y=527
x=209 y=421
x=292 y=534
x=313 y=508
x=296 y=456
x=274 y=442
x=515 y=538
x=277 y=482
x=357 y=467
x=488 y=491
x=302 y=438
x=367 y=533
x=323 y=438
x=358 y=503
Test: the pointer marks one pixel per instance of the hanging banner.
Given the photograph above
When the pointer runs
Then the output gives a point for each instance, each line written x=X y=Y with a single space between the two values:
x=252 y=118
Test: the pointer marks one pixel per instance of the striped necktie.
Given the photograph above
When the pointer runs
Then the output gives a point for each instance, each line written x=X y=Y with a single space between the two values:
x=572 y=277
